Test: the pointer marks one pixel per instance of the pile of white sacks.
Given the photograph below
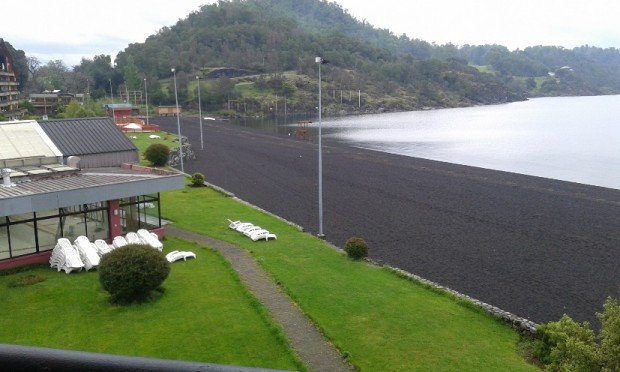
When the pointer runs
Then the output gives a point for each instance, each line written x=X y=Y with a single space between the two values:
x=83 y=254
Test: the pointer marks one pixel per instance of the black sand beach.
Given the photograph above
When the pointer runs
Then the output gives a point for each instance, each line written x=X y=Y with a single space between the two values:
x=536 y=247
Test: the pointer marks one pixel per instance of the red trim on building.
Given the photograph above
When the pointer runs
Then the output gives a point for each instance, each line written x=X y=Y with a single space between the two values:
x=114 y=218
x=33 y=259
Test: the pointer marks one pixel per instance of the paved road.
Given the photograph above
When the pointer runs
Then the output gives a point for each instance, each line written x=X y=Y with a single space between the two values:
x=538 y=248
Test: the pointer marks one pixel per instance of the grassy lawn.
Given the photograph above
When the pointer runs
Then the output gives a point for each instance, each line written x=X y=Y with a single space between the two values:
x=378 y=319
x=142 y=141
x=205 y=315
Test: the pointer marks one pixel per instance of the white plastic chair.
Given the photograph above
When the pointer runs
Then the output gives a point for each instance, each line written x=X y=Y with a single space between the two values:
x=133 y=238
x=150 y=239
x=178 y=255
x=119 y=242
x=263 y=234
x=103 y=247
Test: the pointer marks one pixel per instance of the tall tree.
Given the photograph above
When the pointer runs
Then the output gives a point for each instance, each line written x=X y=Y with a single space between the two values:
x=132 y=75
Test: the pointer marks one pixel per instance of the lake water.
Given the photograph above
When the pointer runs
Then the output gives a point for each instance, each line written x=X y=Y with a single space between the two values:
x=567 y=138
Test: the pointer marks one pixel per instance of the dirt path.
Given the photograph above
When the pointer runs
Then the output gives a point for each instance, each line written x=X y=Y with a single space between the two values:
x=536 y=247
x=313 y=349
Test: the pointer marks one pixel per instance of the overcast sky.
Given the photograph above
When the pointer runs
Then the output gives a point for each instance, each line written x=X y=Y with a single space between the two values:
x=71 y=29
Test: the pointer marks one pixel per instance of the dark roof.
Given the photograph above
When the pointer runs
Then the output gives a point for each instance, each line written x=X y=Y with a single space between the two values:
x=118 y=106
x=86 y=136
x=82 y=188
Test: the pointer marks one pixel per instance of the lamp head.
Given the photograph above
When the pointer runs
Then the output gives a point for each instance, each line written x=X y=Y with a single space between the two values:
x=172 y=70
x=318 y=59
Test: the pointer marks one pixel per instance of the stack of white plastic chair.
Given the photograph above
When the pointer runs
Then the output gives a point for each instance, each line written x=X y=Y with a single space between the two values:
x=150 y=239
x=261 y=234
x=103 y=247
x=251 y=231
x=66 y=257
x=88 y=252
x=119 y=242
x=133 y=238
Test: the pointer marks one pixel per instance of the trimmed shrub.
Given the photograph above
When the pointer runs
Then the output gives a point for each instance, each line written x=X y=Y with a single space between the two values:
x=131 y=273
x=356 y=248
x=198 y=179
x=157 y=154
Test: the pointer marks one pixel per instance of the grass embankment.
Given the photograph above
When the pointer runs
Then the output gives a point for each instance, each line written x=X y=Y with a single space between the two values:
x=205 y=315
x=378 y=319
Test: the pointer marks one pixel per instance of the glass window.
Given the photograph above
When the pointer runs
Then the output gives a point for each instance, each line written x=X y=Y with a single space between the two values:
x=48 y=232
x=73 y=226
x=140 y=212
x=21 y=217
x=4 y=241
x=97 y=225
x=22 y=239
x=130 y=218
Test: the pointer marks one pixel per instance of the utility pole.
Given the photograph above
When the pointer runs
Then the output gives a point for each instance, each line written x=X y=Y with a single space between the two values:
x=320 y=61
x=176 y=99
x=146 y=98
x=202 y=146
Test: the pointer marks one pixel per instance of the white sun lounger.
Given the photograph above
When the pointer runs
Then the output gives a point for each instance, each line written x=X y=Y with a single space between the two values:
x=133 y=238
x=251 y=231
x=179 y=255
x=65 y=257
x=119 y=241
x=103 y=247
x=244 y=226
x=150 y=239
x=88 y=252
x=263 y=234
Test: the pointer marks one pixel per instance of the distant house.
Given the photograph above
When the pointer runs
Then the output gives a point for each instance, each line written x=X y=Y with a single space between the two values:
x=121 y=110
x=67 y=178
x=167 y=110
x=9 y=86
x=47 y=102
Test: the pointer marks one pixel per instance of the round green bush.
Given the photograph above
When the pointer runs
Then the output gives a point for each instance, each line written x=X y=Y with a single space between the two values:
x=198 y=179
x=157 y=154
x=131 y=273
x=356 y=248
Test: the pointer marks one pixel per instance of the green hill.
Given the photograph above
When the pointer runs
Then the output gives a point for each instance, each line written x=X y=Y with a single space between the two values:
x=270 y=37
x=274 y=43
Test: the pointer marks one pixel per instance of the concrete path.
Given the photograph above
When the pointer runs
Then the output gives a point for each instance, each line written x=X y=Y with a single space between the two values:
x=313 y=349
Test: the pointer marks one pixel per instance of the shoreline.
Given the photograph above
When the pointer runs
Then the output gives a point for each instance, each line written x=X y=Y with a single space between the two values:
x=532 y=246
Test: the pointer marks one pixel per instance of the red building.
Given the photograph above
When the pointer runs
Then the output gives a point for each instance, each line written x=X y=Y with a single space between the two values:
x=121 y=110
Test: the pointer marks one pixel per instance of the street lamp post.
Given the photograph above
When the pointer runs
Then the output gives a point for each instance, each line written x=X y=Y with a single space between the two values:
x=320 y=61
x=112 y=104
x=202 y=146
x=176 y=99
x=146 y=100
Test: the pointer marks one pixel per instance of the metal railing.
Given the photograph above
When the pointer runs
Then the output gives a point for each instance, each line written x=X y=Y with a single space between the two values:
x=26 y=358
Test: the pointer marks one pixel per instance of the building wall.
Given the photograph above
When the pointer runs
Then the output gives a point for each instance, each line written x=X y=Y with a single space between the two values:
x=112 y=159
x=30 y=238
x=9 y=87
x=167 y=110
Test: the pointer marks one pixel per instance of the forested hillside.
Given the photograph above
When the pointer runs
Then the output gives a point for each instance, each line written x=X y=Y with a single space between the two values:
x=254 y=55
x=278 y=36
